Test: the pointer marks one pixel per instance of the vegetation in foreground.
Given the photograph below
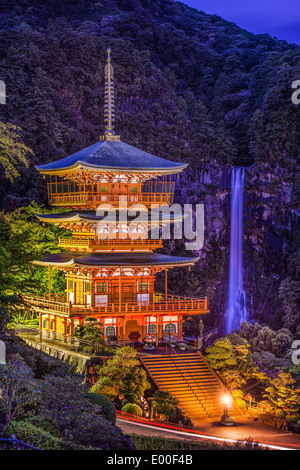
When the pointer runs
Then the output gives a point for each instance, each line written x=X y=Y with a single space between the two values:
x=260 y=358
x=45 y=403
x=160 y=443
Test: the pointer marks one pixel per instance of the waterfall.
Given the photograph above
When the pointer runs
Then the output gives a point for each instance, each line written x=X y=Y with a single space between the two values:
x=236 y=306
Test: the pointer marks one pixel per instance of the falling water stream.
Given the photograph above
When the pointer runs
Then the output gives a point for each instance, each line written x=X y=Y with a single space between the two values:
x=236 y=306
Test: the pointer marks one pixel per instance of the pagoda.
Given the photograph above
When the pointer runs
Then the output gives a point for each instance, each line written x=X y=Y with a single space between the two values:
x=110 y=264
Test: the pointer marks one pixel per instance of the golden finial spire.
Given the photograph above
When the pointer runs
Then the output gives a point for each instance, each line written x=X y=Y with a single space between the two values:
x=109 y=102
x=109 y=106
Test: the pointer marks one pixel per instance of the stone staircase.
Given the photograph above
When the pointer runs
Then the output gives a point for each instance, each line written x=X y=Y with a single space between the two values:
x=189 y=378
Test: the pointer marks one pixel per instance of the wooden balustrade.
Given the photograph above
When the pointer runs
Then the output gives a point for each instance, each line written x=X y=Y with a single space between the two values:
x=169 y=305
x=94 y=243
x=94 y=199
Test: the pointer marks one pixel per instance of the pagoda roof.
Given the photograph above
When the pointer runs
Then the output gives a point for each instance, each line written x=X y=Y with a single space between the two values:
x=91 y=216
x=113 y=155
x=75 y=259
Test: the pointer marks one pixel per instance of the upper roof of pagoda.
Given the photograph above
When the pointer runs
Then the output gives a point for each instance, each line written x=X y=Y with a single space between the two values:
x=115 y=156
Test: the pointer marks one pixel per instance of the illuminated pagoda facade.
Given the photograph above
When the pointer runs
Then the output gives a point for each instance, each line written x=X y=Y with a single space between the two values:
x=110 y=264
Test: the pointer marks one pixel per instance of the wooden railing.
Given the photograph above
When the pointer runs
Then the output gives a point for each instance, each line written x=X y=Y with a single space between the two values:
x=165 y=305
x=94 y=199
x=94 y=243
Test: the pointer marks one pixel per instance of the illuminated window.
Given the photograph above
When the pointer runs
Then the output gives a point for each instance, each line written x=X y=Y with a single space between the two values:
x=104 y=189
x=134 y=189
x=143 y=286
x=71 y=285
x=152 y=329
x=101 y=287
x=88 y=287
x=170 y=328
x=110 y=331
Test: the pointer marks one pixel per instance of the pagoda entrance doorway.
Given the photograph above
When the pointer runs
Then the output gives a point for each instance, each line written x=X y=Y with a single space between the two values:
x=133 y=331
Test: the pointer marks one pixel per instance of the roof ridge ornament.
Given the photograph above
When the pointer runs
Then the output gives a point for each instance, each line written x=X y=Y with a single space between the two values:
x=109 y=101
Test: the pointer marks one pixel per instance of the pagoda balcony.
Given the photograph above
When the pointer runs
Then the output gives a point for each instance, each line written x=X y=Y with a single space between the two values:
x=161 y=304
x=109 y=244
x=93 y=200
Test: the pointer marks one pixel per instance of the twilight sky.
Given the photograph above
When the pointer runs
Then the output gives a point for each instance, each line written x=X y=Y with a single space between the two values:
x=280 y=18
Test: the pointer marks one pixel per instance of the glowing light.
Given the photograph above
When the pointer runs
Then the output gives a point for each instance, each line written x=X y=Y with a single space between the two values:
x=226 y=399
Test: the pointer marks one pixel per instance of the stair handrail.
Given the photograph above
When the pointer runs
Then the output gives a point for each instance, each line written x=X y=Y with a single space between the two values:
x=193 y=378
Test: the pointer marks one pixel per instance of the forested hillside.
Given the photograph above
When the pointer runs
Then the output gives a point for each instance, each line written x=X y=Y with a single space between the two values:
x=190 y=87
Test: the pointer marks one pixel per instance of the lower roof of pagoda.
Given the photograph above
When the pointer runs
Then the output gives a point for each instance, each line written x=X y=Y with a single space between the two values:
x=75 y=259
x=91 y=216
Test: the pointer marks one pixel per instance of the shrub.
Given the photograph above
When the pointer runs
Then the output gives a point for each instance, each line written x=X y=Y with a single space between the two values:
x=132 y=409
x=241 y=403
x=45 y=425
x=293 y=418
x=237 y=393
x=161 y=443
x=107 y=408
x=37 y=437
x=280 y=413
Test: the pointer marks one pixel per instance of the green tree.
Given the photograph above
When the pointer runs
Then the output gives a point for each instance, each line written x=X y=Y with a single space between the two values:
x=221 y=355
x=164 y=403
x=13 y=151
x=92 y=333
x=121 y=375
x=135 y=384
x=232 y=359
x=282 y=393
x=22 y=240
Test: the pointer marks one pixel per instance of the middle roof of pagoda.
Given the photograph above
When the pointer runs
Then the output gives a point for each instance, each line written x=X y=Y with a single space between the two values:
x=92 y=216
x=90 y=260
x=112 y=155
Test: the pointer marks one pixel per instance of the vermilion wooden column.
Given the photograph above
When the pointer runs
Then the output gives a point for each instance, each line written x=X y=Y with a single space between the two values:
x=120 y=294
x=124 y=332
x=166 y=284
x=49 y=281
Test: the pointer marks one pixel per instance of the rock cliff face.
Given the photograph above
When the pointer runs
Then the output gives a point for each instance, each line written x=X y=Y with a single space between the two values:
x=270 y=216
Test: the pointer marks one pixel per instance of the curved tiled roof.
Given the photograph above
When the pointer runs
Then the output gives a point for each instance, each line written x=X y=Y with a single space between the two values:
x=91 y=216
x=114 y=259
x=113 y=155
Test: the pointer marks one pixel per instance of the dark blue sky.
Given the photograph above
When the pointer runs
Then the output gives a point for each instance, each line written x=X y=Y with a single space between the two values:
x=280 y=18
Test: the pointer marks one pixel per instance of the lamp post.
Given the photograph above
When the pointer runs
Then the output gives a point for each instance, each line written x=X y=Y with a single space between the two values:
x=226 y=400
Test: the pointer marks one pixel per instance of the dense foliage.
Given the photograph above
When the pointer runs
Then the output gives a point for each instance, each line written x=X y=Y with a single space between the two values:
x=259 y=359
x=122 y=377
x=46 y=404
x=160 y=443
x=190 y=87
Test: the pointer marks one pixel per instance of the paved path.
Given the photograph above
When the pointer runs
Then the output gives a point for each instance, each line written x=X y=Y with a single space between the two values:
x=211 y=431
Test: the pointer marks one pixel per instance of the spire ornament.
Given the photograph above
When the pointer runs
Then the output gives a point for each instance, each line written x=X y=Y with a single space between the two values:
x=109 y=101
